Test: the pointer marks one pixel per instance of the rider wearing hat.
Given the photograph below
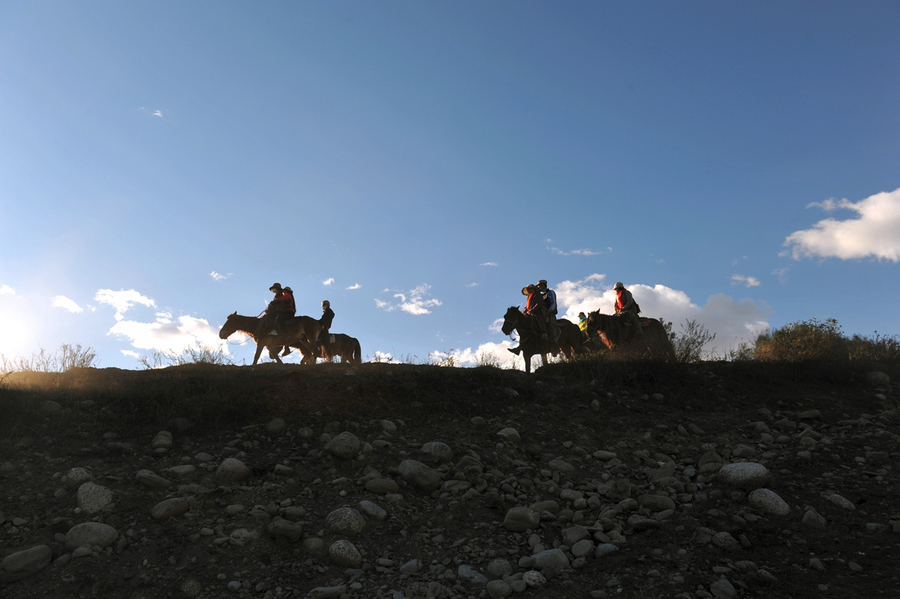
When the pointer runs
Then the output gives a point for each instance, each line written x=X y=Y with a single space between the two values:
x=534 y=307
x=582 y=323
x=281 y=308
x=626 y=306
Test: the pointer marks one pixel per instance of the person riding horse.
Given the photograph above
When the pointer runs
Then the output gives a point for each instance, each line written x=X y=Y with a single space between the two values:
x=549 y=298
x=627 y=307
x=536 y=310
x=280 y=309
x=327 y=318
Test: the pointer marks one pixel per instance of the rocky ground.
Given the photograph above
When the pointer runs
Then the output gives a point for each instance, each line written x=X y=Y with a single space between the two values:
x=401 y=481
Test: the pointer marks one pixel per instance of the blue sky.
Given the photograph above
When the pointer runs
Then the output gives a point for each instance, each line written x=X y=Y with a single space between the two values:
x=417 y=163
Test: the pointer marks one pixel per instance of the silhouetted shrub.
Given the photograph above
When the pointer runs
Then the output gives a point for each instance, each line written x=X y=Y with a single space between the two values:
x=803 y=341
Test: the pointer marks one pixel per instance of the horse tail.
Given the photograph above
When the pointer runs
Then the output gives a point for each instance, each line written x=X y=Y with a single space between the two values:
x=357 y=352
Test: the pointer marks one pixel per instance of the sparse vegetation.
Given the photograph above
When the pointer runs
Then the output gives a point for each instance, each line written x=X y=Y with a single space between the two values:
x=204 y=355
x=484 y=358
x=689 y=344
x=803 y=341
x=63 y=359
x=880 y=348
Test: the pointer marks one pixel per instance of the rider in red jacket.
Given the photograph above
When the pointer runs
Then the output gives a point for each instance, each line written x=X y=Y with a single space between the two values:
x=625 y=305
x=281 y=308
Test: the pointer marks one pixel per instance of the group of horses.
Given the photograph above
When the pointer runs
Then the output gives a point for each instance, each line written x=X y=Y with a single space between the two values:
x=603 y=330
x=301 y=333
x=608 y=331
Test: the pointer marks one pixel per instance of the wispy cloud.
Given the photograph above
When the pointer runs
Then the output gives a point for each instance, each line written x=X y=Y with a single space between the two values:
x=122 y=300
x=781 y=273
x=581 y=252
x=156 y=113
x=472 y=285
x=61 y=301
x=328 y=281
x=584 y=252
x=354 y=286
x=874 y=233
x=746 y=281
x=7 y=290
x=219 y=277
x=489 y=264
x=415 y=301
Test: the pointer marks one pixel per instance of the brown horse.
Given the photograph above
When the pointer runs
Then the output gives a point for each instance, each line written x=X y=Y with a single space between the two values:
x=616 y=331
x=530 y=342
x=571 y=340
x=345 y=346
x=301 y=332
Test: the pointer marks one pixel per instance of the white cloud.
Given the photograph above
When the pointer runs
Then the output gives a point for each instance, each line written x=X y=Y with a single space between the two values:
x=472 y=285
x=496 y=354
x=781 y=273
x=354 y=286
x=381 y=356
x=489 y=264
x=733 y=321
x=328 y=281
x=122 y=300
x=742 y=280
x=7 y=290
x=61 y=301
x=583 y=252
x=413 y=302
x=875 y=232
x=158 y=113
x=168 y=334
x=219 y=277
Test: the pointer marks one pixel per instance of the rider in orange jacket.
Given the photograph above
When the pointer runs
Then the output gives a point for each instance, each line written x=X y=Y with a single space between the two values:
x=626 y=306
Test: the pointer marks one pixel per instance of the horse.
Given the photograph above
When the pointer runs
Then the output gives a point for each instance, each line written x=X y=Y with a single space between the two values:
x=571 y=339
x=530 y=342
x=345 y=346
x=615 y=331
x=301 y=332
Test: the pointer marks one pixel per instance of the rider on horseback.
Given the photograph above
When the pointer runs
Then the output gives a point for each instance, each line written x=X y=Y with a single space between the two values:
x=627 y=307
x=549 y=299
x=325 y=321
x=281 y=308
x=536 y=309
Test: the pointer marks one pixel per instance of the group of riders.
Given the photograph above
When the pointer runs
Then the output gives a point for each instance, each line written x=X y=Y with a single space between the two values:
x=542 y=307
x=282 y=309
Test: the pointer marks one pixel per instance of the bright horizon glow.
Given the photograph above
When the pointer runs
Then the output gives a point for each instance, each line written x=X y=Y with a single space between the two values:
x=417 y=164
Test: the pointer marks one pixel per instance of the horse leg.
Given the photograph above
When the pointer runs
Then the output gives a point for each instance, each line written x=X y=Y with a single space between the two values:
x=527 y=362
x=259 y=348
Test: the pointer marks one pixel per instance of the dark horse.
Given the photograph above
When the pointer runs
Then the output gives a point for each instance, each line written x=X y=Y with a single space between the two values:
x=301 y=332
x=345 y=346
x=617 y=332
x=570 y=339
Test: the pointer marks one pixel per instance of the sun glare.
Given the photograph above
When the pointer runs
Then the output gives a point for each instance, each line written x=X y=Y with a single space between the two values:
x=15 y=341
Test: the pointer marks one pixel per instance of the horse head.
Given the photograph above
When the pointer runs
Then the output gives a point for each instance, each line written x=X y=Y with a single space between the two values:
x=229 y=327
x=510 y=320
